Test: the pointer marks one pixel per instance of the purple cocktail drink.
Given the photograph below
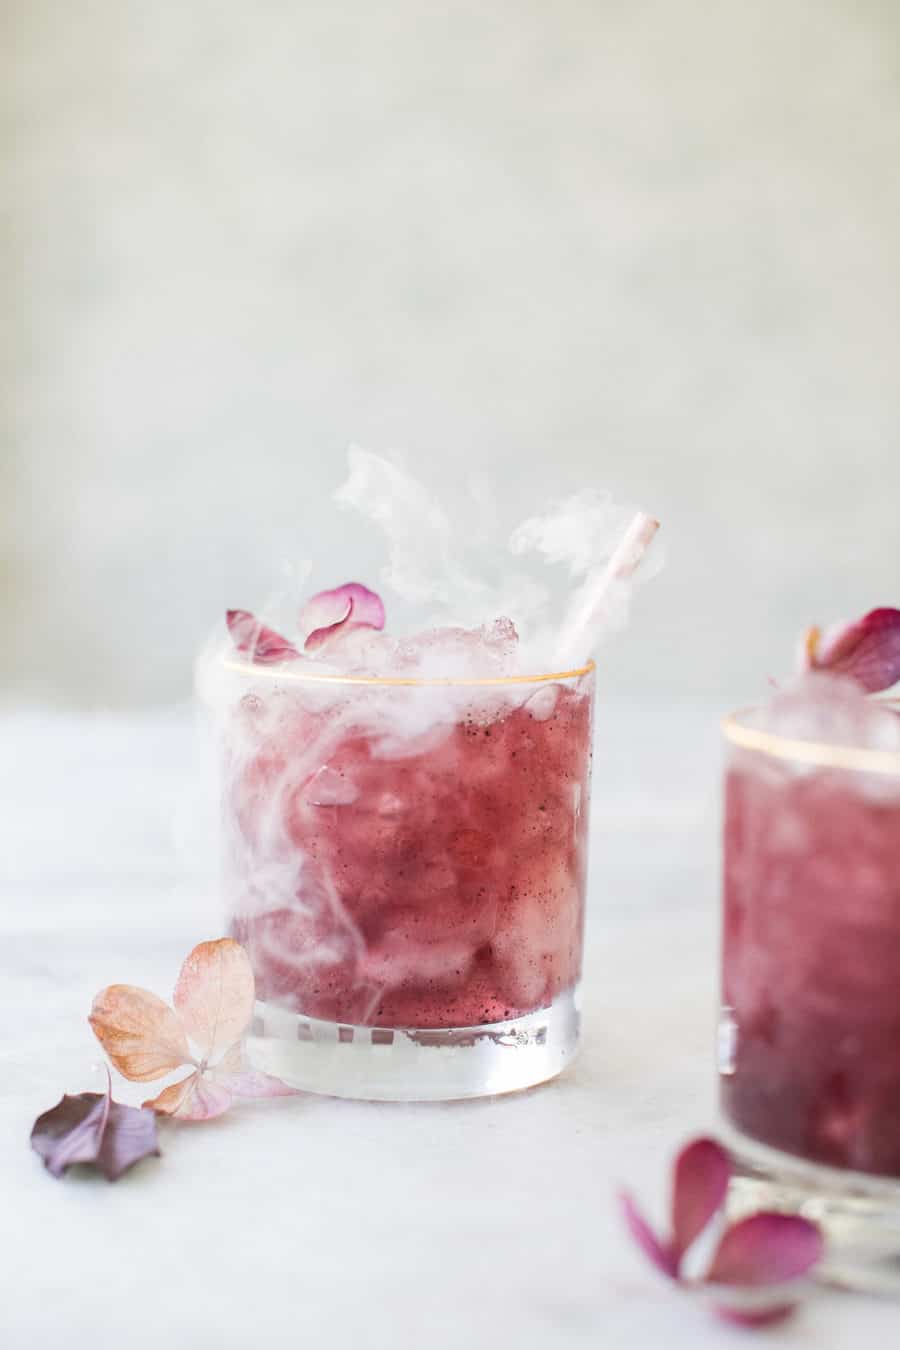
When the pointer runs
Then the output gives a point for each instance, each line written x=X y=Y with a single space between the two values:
x=406 y=811
x=809 y=1052
x=410 y=856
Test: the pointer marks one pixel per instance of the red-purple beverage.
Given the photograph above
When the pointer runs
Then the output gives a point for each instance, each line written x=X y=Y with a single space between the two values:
x=810 y=1038
x=410 y=857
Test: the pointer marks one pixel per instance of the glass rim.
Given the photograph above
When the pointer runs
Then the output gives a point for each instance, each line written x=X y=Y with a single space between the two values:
x=417 y=682
x=821 y=753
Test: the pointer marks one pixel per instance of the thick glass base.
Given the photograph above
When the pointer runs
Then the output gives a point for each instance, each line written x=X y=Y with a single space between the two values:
x=859 y=1214
x=390 y=1064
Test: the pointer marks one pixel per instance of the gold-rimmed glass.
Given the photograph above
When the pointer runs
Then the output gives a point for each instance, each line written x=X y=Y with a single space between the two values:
x=405 y=864
x=809 y=1030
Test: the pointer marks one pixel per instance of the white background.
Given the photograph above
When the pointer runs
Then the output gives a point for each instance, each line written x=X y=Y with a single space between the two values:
x=647 y=246
x=650 y=246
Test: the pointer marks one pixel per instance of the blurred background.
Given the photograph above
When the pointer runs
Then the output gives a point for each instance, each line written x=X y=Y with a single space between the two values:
x=642 y=245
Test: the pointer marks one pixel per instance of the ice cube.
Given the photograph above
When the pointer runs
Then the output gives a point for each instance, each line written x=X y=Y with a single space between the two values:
x=827 y=708
x=464 y=653
x=542 y=703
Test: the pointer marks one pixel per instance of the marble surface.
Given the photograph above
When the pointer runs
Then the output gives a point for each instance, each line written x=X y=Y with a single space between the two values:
x=320 y=1222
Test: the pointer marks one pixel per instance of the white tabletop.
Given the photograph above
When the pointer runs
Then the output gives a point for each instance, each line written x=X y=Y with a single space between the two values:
x=316 y=1222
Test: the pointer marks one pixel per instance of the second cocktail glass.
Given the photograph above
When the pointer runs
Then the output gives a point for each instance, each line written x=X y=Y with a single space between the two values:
x=809 y=1035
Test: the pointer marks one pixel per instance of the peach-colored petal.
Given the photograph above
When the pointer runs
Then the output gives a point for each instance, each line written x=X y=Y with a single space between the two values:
x=214 y=995
x=196 y=1097
x=141 y=1034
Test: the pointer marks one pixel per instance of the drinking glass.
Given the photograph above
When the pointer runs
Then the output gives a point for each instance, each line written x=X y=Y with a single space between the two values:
x=809 y=1033
x=405 y=866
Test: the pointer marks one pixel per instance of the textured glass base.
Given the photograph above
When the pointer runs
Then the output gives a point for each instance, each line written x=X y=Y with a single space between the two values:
x=389 y=1064
x=859 y=1214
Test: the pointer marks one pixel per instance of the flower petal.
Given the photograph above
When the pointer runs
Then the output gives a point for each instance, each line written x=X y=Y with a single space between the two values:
x=92 y=1128
x=766 y=1248
x=644 y=1236
x=196 y=1097
x=255 y=640
x=699 y=1186
x=347 y=606
x=141 y=1034
x=867 y=650
x=215 y=994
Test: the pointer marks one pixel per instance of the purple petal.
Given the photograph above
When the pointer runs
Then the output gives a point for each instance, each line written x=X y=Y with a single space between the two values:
x=91 y=1128
x=261 y=644
x=699 y=1186
x=644 y=1236
x=347 y=606
x=766 y=1249
x=867 y=650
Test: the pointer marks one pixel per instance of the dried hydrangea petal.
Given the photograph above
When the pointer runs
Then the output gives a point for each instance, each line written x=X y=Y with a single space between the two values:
x=141 y=1034
x=196 y=1097
x=214 y=995
x=92 y=1128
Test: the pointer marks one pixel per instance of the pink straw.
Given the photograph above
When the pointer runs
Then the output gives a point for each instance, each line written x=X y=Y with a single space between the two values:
x=590 y=614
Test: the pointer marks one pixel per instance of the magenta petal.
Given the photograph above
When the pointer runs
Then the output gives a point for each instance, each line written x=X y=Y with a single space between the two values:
x=319 y=636
x=766 y=1249
x=699 y=1186
x=352 y=605
x=867 y=651
x=645 y=1237
x=261 y=644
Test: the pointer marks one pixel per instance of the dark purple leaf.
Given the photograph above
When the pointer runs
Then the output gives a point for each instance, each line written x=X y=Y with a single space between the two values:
x=92 y=1128
x=644 y=1236
x=699 y=1186
x=766 y=1248
x=255 y=640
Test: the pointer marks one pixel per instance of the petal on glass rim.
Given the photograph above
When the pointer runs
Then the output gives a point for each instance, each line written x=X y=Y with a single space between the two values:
x=699 y=1185
x=766 y=1248
x=349 y=606
x=141 y=1034
x=254 y=639
x=661 y=1256
x=214 y=995
x=867 y=650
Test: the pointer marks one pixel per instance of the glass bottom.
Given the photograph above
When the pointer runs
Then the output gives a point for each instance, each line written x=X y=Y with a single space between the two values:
x=858 y=1213
x=391 y=1064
